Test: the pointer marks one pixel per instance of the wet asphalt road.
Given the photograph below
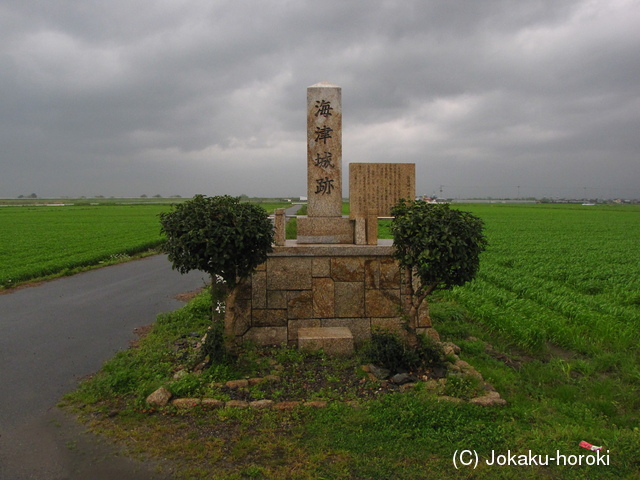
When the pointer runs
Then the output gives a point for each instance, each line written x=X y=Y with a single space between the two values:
x=54 y=334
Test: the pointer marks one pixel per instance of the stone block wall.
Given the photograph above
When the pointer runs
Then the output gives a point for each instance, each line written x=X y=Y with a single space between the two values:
x=354 y=286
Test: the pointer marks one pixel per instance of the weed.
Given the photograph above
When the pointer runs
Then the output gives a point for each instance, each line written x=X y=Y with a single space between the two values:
x=291 y=356
x=387 y=350
x=187 y=386
x=465 y=387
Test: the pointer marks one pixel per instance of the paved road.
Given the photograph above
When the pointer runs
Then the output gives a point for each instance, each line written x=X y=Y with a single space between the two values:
x=54 y=334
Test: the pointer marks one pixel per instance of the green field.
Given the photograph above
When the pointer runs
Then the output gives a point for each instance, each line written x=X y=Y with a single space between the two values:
x=42 y=241
x=564 y=275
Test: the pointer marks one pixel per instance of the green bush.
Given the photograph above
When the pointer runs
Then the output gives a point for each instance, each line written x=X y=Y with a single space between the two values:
x=438 y=248
x=387 y=350
x=218 y=235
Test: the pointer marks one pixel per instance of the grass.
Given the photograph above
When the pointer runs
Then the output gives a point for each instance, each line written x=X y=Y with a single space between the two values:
x=389 y=435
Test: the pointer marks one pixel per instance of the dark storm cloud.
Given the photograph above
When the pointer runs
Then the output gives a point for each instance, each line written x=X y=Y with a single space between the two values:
x=125 y=98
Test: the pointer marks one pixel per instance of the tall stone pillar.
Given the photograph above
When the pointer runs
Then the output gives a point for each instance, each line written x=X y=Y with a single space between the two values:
x=324 y=150
x=324 y=223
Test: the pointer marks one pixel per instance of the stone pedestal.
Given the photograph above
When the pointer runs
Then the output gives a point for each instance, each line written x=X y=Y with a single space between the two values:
x=325 y=230
x=310 y=286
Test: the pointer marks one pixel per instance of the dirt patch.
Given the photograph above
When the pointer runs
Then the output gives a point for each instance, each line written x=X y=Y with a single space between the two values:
x=21 y=286
x=514 y=363
x=556 y=351
x=188 y=296
x=141 y=332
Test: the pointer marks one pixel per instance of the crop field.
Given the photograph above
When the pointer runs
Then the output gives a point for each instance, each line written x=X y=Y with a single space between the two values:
x=565 y=275
x=40 y=241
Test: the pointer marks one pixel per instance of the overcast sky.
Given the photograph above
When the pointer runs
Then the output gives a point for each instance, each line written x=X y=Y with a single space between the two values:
x=178 y=97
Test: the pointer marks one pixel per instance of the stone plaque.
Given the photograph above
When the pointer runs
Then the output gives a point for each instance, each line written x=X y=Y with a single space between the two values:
x=376 y=187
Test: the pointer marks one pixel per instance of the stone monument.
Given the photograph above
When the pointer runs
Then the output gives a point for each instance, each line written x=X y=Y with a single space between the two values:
x=324 y=222
x=331 y=286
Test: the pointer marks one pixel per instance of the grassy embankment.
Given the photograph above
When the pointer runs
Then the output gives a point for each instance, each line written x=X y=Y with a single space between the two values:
x=550 y=322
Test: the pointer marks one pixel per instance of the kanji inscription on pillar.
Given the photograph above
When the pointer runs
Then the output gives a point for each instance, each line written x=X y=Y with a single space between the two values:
x=324 y=150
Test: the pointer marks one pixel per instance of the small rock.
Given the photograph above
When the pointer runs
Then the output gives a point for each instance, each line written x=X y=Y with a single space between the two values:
x=439 y=372
x=379 y=372
x=407 y=386
x=316 y=404
x=472 y=372
x=272 y=378
x=365 y=368
x=402 y=378
x=259 y=404
x=234 y=384
x=488 y=400
x=198 y=369
x=450 y=348
x=255 y=381
x=433 y=333
x=286 y=405
x=180 y=374
x=159 y=398
x=212 y=403
x=461 y=364
x=236 y=404
x=185 y=402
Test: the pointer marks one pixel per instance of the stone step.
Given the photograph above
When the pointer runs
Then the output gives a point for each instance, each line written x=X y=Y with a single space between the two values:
x=333 y=340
